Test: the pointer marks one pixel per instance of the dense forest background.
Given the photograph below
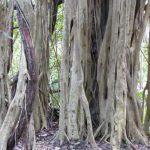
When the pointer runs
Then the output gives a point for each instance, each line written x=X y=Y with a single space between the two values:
x=77 y=71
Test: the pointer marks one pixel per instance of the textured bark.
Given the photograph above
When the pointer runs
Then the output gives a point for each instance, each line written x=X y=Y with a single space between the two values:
x=74 y=108
x=41 y=18
x=31 y=83
x=103 y=38
x=42 y=57
x=46 y=14
x=64 y=82
x=147 y=119
x=10 y=42
x=5 y=17
x=3 y=54
x=13 y=126
x=15 y=109
x=118 y=60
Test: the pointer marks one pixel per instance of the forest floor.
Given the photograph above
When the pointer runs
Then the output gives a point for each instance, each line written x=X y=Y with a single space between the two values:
x=45 y=141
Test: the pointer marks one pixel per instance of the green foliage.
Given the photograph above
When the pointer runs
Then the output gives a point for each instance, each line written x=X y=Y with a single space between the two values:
x=143 y=70
x=16 y=49
x=55 y=57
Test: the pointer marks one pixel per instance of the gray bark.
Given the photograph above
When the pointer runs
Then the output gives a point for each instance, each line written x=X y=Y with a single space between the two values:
x=103 y=38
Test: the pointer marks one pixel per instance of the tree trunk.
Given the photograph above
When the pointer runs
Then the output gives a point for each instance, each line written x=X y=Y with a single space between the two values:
x=5 y=17
x=15 y=108
x=46 y=14
x=42 y=57
x=101 y=44
x=31 y=88
x=41 y=24
x=147 y=118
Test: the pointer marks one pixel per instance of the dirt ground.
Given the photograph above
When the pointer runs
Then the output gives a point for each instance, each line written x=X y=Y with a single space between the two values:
x=45 y=141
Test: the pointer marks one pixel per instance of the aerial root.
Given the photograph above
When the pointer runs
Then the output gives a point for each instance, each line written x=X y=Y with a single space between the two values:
x=106 y=132
x=128 y=141
x=98 y=129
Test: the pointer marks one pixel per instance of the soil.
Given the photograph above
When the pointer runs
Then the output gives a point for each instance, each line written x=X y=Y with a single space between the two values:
x=45 y=140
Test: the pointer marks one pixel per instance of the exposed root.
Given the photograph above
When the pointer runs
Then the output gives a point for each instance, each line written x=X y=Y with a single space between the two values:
x=85 y=105
x=60 y=137
x=31 y=135
x=98 y=129
x=106 y=132
x=107 y=137
x=82 y=128
x=139 y=138
x=107 y=141
x=127 y=140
